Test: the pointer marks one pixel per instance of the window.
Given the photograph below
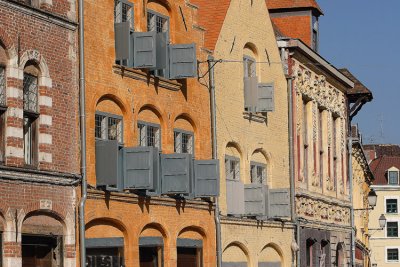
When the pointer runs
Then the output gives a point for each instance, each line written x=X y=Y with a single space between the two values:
x=249 y=65
x=157 y=22
x=2 y=86
x=149 y=134
x=123 y=12
x=391 y=205
x=393 y=177
x=2 y=109
x=42 y=250
x=108 y=127
x=315 y=33
x=187 y=256
x=183 y=142
x=232 y=168
x=392 y=229
x=392 y=254
x=334 y=148
x=150 y=256
x=258 y=173
x=309 y=252
x=30 y=97
x=321 y=146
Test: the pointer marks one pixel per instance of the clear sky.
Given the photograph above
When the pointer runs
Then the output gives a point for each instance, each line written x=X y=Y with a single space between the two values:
x=364 y=36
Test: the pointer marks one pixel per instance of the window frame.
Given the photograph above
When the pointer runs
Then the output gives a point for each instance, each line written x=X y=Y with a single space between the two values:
x=387 y=254
x=3 y=109
x=107 y=116
x=146 y=124
x=157 y=14
x=386 y=204
x=120 y=20
x=397 y=176
x=181 y=132
x=387 y=229
x=236 y=172
x=257 y=165
x=305 y=134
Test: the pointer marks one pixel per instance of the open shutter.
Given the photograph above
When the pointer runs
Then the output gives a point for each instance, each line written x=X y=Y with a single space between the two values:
x=162 y=50
x=254 y=199
x=140 y=167
x=144 y=50
x=279 y=203
x=235 y=197
x=175 y=173
x=182 y=61
x=122 y=40
x=206 y=178
x=107 y=164
x=265 y=97
x=250 y=90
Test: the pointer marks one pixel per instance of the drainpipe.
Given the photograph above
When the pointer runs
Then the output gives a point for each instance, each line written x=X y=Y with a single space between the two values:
x=289 y=79
x=211 y=63
x=83 y=136
x=350 y=171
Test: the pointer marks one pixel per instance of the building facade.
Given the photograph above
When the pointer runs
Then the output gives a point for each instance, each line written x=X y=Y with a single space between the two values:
x=149 y=164
x=39 y=153
x=252 y=133
x=385 y=243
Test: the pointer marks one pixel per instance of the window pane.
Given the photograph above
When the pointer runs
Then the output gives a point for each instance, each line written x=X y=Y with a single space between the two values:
x=393 y=177
x=393 y=254
x=2 y=86
x=28 y=140
x=391 y=205
x=100 y=127
x=30 y=92
x=156 y=23
x=187 y=146
x=392 y=229
x=114 y=129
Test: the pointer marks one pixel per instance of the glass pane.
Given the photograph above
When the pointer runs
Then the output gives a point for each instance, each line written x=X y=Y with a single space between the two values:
x=187 y=143
x=391 y=205
x=2 y=86
x=392 y=229
x=114 y=129
x=30 y=92
x=151 y=22
x=28 y=140
x=393 y=254
x=393 y=177
x=100 y=127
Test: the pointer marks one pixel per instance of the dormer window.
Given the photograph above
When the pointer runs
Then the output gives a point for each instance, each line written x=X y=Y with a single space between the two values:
x=393 y=177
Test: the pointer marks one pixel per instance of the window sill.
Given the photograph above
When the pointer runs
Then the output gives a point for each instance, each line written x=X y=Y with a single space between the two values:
x=257 y=117
x=146 y=77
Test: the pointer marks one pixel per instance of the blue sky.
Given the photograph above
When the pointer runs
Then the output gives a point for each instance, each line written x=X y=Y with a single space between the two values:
x=364 y=36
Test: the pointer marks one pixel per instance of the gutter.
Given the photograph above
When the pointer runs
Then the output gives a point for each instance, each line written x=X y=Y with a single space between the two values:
x=211 y=64
x=82 y=244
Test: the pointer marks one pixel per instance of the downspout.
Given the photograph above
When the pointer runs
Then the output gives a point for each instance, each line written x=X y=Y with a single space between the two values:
x=294 y=219
x=83 y=136
x=211 y=63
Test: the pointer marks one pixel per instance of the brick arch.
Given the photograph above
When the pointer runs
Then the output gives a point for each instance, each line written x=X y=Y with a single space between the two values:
x=242 y=247
x=236 y=145
x=253 y=48
x=117 y=100
x=159 y=225
x=35 y=56
x=57 y=211
x=193 y=228
x=186 y=116
x=119 y=224
x=5 y=39
x=156 y=110
x=277 y=249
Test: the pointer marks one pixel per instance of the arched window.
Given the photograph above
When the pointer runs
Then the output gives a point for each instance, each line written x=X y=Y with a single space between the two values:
x=258 y=168
x=31 y=112
x=183 y=137
x=149 y=128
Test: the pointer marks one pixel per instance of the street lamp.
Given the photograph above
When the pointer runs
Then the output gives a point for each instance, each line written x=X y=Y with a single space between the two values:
x=382 y=223
x=372 y=199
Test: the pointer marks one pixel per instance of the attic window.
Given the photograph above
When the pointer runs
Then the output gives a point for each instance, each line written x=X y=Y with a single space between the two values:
x=393 y=177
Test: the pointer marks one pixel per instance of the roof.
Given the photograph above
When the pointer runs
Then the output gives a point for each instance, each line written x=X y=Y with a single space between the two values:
x=277 y=32
x=211 y=16
x=359 y=88
x=384 y=149
x=380 y=165
x=286 y=4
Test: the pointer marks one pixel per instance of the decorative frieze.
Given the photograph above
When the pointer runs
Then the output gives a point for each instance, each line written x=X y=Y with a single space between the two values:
x=321 y=210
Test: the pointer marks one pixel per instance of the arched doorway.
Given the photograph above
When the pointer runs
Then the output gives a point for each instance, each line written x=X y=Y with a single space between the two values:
x=340 y=257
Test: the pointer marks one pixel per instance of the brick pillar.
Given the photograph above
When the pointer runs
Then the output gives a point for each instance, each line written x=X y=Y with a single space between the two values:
x=12 y=238
x=69 y=242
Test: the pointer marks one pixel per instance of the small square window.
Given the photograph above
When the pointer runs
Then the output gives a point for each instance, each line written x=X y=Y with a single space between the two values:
x=393 y=254
x=393 y=177
x=391 y=205
x=149 y=134
x=108 y=127
x=123 y=12
x=392 y=229
x=183 y=142
x=258 y=173
x=157 y=22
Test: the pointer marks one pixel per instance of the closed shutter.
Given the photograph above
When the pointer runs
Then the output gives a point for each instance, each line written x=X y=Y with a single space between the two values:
x=144 y=50
x=182 y=61
x=254 y=199
x=175 y=173
x=140 y=167
x=206 y=178
x=279 y=203
x=122 y=40
x=234 y=197
x=107 y=163
x=250 y=93
x=265 y=97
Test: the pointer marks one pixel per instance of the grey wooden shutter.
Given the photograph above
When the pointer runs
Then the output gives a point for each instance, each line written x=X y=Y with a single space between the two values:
x=162 y=50
x=279 y=203
x=107 y=163
x=234 y=197
x=175 y=173
x=265 y=97
x=140 y=167
x=254 y=199
x=250 y=93
x=122 y=40
x=182 y=61
x=144 y=49
x=206 y=178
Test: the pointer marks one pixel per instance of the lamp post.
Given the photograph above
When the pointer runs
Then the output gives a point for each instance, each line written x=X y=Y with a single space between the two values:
x=382 y=223
x=372 y=198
